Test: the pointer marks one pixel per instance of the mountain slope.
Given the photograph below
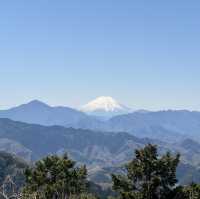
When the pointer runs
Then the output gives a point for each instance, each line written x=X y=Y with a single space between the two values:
x=84 y=145
x=37 y=112
x=98 y=150
x=163 y=125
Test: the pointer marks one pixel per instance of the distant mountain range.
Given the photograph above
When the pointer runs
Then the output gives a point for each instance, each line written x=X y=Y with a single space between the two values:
x=100 y=151
x=164 y=125
x=102 y=142
x=37 y=112
x=85 y=146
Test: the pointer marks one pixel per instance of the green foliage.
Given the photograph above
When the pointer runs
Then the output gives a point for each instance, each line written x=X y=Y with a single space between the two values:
x=55 y=177
x=148 y=176
x=192 y=191
x=101 y=191
x=82 y=196
x=13 y=167
x=188 y=192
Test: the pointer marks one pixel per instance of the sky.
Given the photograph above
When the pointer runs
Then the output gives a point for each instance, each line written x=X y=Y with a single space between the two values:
x=145 y=54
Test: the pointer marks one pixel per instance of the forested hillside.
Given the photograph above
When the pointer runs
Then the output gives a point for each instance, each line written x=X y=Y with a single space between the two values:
x=100 y=151
x=146 y=175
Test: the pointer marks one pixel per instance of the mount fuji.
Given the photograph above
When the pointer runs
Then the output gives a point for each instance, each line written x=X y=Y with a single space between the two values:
x=105 y=106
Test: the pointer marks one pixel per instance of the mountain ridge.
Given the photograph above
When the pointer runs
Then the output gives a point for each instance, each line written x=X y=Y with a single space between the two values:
x=166 y=125
x=98 y=150
x=37 y=112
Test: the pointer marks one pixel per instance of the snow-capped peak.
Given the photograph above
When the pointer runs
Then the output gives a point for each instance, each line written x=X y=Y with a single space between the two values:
x=104 y=104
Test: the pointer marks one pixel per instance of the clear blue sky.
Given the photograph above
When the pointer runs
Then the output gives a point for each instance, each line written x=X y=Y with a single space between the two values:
x=146 y=54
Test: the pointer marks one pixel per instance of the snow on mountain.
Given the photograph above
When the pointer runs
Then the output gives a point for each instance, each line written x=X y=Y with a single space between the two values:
x=104 y=106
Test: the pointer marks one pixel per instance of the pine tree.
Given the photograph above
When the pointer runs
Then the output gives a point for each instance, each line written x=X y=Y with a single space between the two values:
x=188 y=192
x=148 y=176
x=55 y=177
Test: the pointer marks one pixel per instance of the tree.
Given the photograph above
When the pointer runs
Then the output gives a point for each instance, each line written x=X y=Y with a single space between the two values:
x=192 y=192
x=148 y=176
x=188 y=192
x=55 y=177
